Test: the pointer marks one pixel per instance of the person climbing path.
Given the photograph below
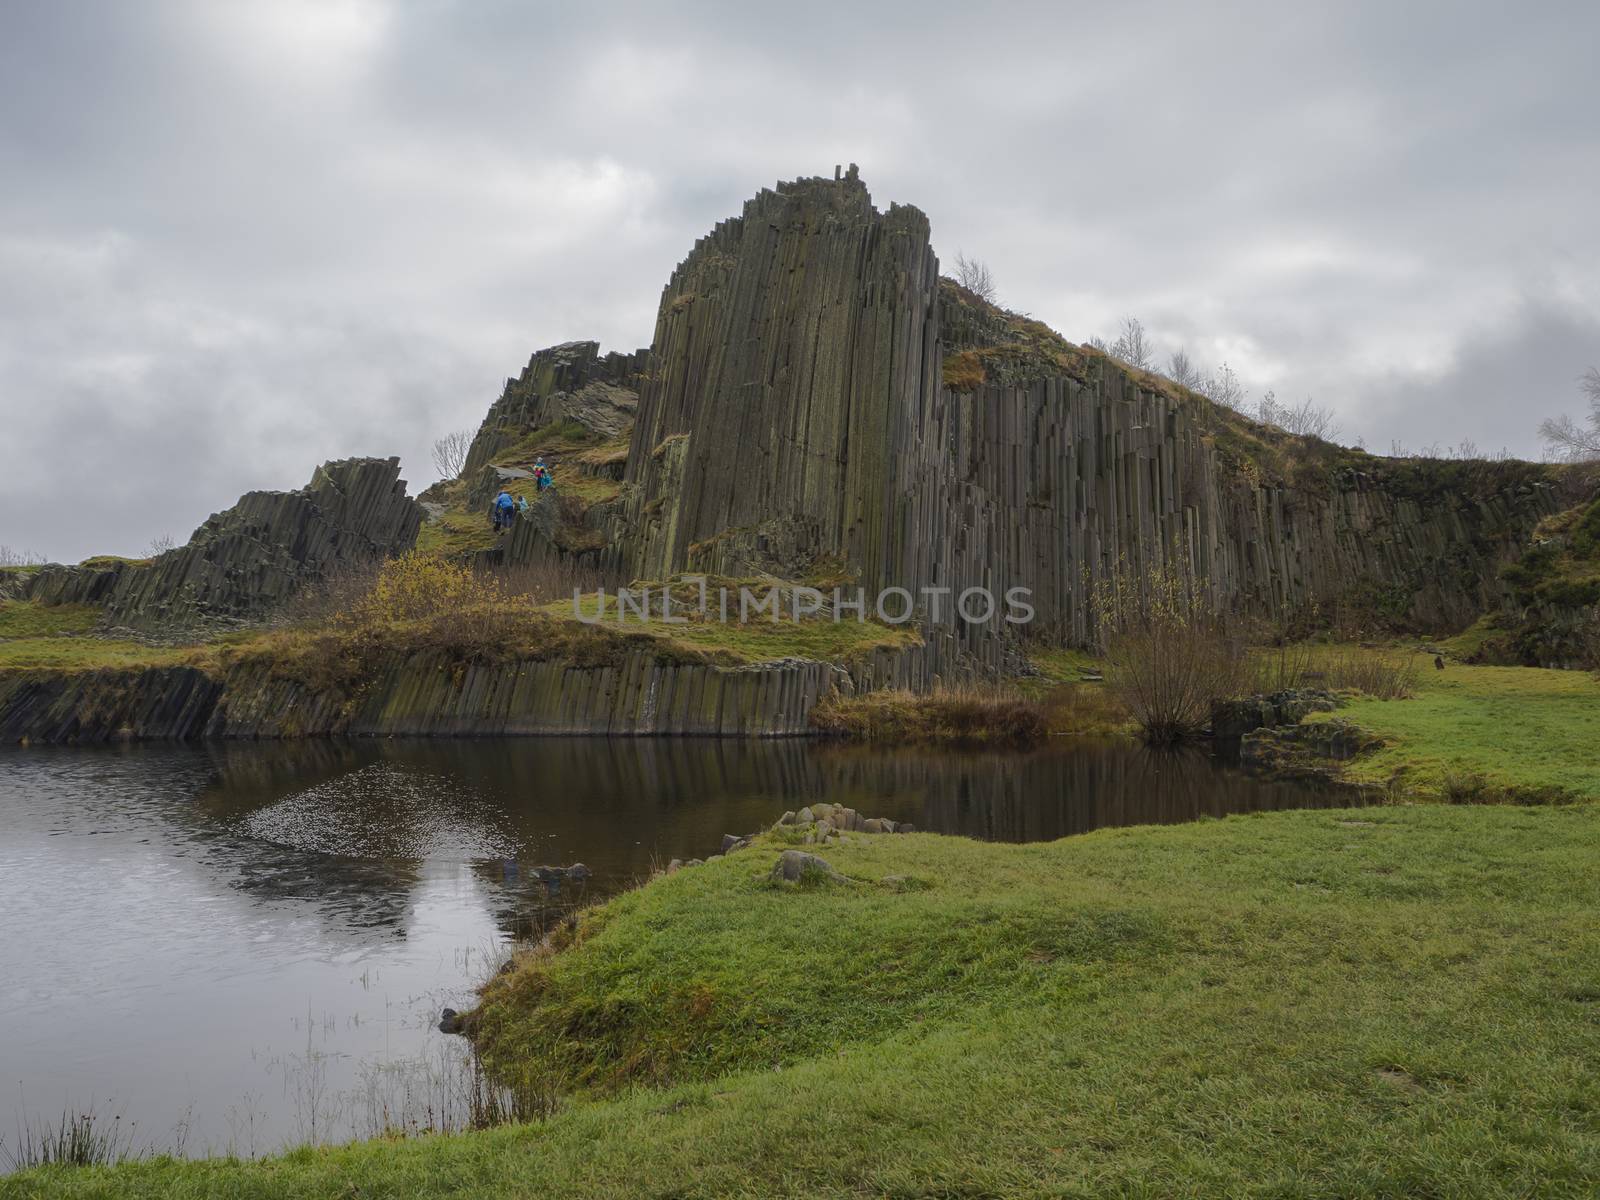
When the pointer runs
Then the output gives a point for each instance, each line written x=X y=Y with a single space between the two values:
x=505 y=511
x=541 y=473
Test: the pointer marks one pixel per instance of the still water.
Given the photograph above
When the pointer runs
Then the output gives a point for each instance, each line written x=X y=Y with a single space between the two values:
x=232 y=948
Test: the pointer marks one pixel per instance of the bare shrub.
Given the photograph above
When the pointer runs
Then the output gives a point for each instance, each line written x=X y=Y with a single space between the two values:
x=1133 y=345
x=1184 y=371
x=1568 y=439
x=1223 y=387
x=1306 y=419
x=976 y=277
x=160 y=545
x=1170 y=656
x=450 y=453
x=10 y=557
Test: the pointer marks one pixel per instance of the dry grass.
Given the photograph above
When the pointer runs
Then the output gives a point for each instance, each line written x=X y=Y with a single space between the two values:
x=1086 y=708
x=1382 y=674
x=968 y=716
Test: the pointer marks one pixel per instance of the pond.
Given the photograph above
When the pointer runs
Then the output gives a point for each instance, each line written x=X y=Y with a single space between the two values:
x=230 y=948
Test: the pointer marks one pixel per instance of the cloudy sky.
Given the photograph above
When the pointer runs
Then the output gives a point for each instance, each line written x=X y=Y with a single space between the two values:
x=236 y=240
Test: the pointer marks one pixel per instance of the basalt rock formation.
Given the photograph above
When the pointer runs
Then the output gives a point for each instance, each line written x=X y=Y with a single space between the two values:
x=243 y=563
x=817 y=402
x=431 y=696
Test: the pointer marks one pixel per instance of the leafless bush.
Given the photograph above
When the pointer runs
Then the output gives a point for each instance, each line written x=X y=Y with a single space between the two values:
x=1306 y=419
x=1223 y=387
x=450 y=453
x=1170 y=656
x=976 y=277
x=1570 y=441
x=10 y=557
x=1184 y=371
x=160 y=545
x=1134 y=346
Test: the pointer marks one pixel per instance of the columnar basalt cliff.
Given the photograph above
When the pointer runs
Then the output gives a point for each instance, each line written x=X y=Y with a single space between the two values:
x=818 y=406
x=426 y=695
x=242 y=564
x=794 y=415
x=790 y=347
x=570 y=388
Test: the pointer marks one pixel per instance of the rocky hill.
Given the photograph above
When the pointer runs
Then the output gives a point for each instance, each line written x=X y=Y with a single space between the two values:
x=817 y=402
x=244 y=563
x=817 y=408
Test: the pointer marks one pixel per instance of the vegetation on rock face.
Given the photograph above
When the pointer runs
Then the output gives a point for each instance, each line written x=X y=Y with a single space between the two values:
x=1381 y=1001
x=29 y=619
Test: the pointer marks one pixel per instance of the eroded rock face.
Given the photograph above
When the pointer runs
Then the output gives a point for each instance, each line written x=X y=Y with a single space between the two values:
x=793 y=416
x=243 y=563
x=570 y=382
x=789 y=347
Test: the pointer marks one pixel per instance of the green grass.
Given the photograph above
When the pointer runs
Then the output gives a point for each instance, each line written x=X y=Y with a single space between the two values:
x=30 y=619
x=37 y=637
x=81 y=654
x=1518 y=727
x=456 y=531
x=1386 y=1002
x=759 y=639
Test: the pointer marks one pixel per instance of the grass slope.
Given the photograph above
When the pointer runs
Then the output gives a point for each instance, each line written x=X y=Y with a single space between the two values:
x=1381 y=1002
x=1517 y=727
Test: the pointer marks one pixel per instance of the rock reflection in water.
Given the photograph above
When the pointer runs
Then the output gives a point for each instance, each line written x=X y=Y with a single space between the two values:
x=199 y=932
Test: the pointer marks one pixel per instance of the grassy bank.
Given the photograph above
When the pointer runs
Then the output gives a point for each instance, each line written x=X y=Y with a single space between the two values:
x=1391 y=1002
x=1518 y=728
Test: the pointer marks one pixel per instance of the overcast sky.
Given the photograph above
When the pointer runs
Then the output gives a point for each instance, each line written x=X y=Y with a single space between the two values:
x=237 y=240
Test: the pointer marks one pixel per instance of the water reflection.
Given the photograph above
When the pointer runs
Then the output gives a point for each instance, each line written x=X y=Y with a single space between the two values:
x=198 y=931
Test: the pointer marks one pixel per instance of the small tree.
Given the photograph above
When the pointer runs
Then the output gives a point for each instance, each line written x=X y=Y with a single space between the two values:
x=1170 y=655
x=1223 y=388
x=1305 y=419
x=18 y=558
x=1181 y=369
x=160 y=545
x=450 y=453
x=976 y=277
x=1565 y=438
x=1133 y=345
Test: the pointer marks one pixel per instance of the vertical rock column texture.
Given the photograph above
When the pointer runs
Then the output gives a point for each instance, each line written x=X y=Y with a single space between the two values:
x=246 y=561
x=789 y=345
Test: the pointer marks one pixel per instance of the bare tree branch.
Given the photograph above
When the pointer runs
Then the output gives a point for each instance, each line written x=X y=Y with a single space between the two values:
x=1566 y=439
x=1183 y=371
x=1306 y=419
x=1223 y=388
x=976 y=277
x=450 y=453
x=1133 y=345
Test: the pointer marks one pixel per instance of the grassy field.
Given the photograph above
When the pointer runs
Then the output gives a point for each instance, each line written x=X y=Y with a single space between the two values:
x=1399 y=1002
x=1512 y=727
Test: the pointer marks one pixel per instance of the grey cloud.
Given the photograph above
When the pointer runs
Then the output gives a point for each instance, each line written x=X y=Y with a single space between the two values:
x=239 y=239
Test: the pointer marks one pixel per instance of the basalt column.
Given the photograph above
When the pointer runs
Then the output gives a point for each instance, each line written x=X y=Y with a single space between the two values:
x=791 y=349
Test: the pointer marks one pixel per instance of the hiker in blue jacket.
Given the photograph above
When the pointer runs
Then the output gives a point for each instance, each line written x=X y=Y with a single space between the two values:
x=505 y=511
